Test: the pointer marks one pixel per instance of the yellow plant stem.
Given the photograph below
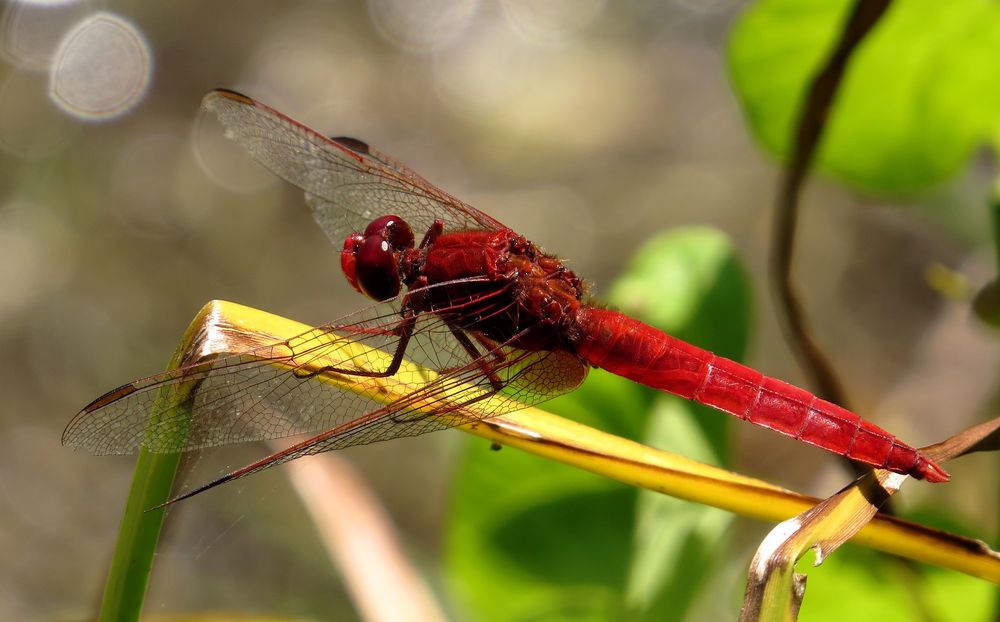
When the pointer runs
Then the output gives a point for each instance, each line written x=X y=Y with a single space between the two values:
x=228 y=328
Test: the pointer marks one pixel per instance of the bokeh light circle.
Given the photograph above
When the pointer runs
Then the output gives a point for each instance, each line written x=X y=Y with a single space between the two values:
x=488 y=71
x=101 y=69
x=30 y=31
x=421 y=25
x=552 y=21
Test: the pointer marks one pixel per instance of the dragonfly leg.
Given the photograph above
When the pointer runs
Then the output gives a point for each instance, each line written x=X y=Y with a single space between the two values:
x=432 y=234
x=405 y=331
x=477 y=357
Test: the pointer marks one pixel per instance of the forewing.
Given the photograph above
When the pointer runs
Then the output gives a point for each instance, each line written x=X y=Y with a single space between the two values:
x=315 y=382
x=461 y=395
x=268 y=392
x=347 y=183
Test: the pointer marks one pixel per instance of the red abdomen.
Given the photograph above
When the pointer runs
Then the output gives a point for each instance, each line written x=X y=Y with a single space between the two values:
x=629 y=348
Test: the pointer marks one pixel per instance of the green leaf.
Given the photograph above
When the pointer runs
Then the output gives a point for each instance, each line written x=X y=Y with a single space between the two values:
x=677 y=544
x=531 y=539
x=859 y=584
x=919 y=96
x=688 y=281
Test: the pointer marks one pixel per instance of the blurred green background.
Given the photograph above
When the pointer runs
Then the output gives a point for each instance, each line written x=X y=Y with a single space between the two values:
x=587 y=126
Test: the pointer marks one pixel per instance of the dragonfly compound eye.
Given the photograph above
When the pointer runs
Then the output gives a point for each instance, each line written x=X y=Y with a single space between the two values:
x=394 y=230
x=376 y=268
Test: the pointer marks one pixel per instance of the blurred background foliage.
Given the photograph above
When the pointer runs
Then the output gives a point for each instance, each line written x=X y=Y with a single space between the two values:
x=588 y=126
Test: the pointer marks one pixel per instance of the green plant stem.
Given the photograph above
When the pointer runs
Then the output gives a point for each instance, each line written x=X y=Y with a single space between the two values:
x=152 y=483
x=140 y=530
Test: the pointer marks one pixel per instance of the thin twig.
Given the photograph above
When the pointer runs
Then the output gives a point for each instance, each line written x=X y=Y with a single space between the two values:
x=808 y=133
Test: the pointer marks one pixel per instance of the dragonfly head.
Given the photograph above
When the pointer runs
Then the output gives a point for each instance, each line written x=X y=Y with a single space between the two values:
x=370 y=260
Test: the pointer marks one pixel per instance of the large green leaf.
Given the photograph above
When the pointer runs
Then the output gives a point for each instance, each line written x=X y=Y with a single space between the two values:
x=919 y=96
x=532 y=539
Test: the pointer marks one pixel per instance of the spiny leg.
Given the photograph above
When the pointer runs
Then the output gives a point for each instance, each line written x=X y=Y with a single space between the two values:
x=478 y=358
x=404 y=331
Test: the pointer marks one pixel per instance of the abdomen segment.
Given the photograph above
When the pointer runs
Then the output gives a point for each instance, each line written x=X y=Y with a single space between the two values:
x=629 y=348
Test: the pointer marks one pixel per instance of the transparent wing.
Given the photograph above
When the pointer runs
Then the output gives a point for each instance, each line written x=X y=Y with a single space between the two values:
x=347 y=183
x=296 y=386
x=531 y=377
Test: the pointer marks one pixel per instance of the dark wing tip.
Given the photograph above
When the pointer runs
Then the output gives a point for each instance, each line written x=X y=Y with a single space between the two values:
x=68 y=439
x=353 y=144
x=229 y=94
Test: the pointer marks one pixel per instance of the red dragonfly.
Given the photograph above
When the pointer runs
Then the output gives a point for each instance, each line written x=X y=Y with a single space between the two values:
x=500 y=322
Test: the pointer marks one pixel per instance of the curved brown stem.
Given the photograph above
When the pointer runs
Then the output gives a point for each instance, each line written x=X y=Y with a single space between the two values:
x=809 y=131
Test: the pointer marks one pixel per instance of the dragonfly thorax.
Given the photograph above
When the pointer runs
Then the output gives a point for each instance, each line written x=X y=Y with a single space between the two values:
x=496 y=283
